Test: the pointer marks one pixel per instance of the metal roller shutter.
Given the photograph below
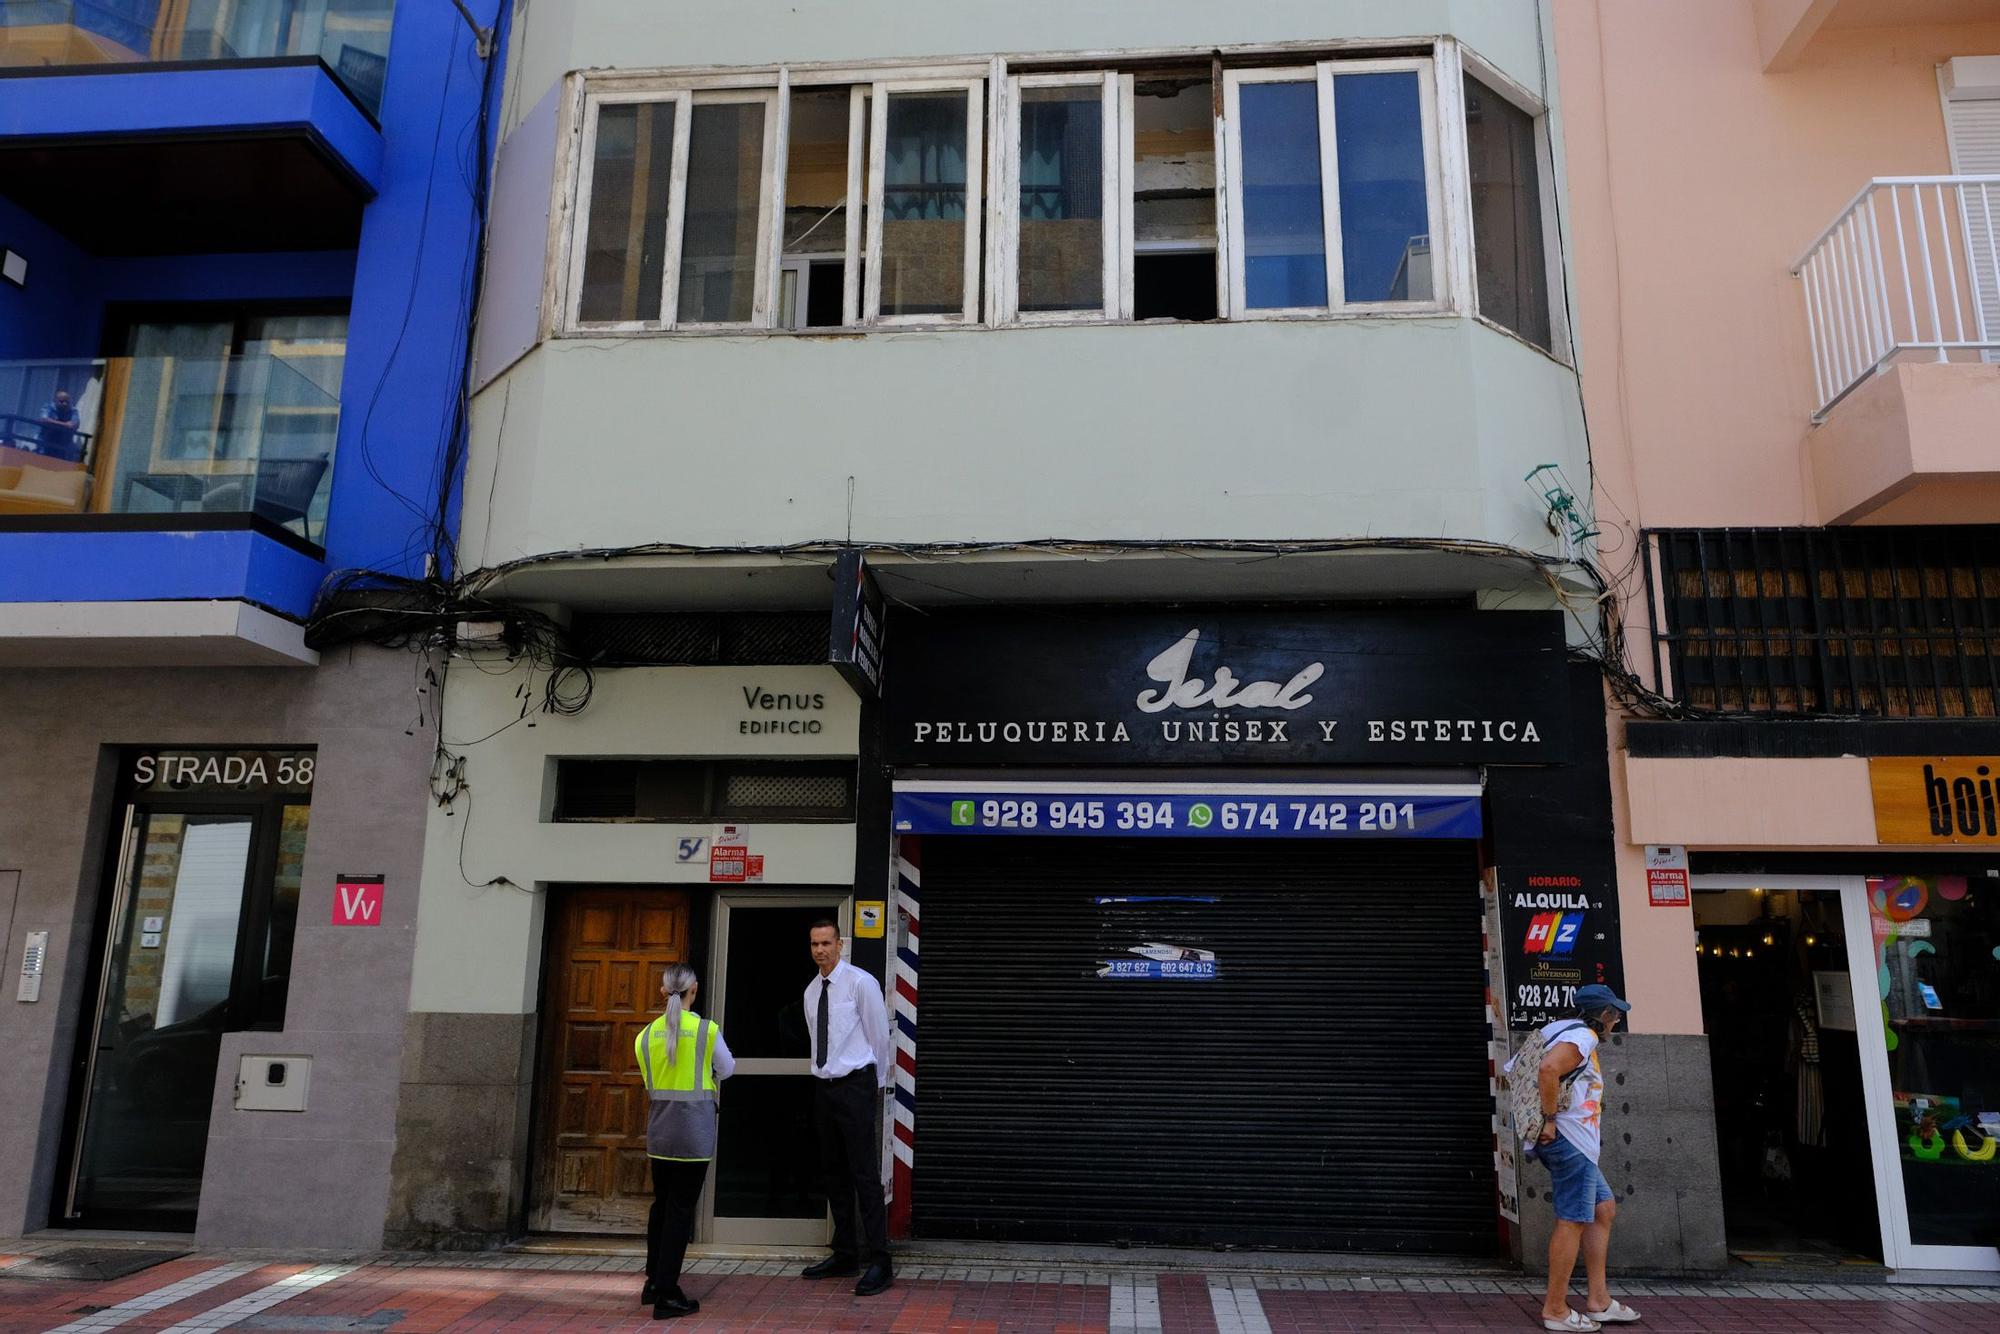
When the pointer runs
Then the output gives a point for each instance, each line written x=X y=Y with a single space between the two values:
x=1326 y=1089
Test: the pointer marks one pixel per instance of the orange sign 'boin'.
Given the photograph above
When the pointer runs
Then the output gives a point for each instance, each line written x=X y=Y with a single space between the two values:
x=1936 y=799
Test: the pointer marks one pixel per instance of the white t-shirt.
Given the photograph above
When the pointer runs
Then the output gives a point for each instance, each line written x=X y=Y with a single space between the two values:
x=1582 y=1124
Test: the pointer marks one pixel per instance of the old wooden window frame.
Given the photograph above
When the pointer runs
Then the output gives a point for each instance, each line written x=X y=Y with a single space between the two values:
x=991 y=275
x=685 y=102
x=1115 y=187
x=971 y=289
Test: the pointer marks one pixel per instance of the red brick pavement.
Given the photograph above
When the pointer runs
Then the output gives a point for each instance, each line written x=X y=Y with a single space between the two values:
x=432 y=1299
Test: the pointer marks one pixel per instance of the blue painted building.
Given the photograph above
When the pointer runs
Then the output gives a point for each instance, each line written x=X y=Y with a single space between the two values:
x=239 y=243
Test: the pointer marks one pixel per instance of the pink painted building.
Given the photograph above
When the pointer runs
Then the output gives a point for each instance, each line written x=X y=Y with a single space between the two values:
x=1786 y=294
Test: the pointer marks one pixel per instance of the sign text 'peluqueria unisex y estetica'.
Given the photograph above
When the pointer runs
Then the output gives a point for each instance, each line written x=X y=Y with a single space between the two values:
x=1083 y=685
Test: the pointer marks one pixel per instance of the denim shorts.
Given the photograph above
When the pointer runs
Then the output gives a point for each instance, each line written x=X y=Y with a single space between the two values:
x=1579 y=1187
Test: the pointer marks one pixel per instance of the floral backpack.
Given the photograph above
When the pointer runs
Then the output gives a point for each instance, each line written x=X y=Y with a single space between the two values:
x=1524 y=1095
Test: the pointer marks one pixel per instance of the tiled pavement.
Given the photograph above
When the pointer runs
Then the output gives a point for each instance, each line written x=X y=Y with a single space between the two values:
x=534 y=1294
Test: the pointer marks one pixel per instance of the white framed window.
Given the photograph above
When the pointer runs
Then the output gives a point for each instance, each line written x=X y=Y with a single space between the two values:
x=1182 y=188
x=1333 y=189
x=675 y=198
x=926 y=173
x=1060 y=205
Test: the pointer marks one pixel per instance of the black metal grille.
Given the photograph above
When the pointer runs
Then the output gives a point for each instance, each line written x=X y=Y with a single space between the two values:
x=677 y=791
x=696 y=639
x=1888 y=622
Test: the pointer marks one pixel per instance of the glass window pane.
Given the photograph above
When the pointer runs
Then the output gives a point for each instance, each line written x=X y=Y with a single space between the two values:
x=1938 y=971
x=767 y=1151
x=1284 y=232
x=1062 y=199
x=725 y=180
x=769 y=963
x=816 y=172
x=1384 y=216
x=626 y=241
x=923 y=204
x=1512 y=270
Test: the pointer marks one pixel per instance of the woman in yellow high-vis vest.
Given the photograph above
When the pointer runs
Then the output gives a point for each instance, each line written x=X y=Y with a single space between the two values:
x=682 y=1059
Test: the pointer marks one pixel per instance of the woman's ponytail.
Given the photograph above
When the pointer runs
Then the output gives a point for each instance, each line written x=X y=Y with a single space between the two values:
x=675 y=982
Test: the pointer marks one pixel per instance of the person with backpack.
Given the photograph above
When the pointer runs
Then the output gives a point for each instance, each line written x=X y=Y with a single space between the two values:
x=1560 y=1116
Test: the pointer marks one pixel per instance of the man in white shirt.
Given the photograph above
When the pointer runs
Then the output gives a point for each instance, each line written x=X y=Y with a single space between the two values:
x=851 y=1065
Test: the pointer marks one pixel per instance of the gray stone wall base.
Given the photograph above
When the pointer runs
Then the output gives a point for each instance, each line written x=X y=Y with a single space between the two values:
x=458 y=1179
x=1659 y=1157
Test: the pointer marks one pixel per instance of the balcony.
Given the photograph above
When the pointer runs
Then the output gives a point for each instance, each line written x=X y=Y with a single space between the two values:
x=168 y=127
x=1902 y=302
x=171 y=437
x=350 y=37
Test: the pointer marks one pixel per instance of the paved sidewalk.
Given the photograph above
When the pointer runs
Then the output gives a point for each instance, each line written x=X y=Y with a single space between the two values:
x=530 y=1294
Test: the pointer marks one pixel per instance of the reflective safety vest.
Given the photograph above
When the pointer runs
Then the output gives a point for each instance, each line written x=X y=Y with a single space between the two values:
x=681 y=1093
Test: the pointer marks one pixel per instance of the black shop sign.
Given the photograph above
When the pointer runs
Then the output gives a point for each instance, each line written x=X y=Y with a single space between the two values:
x=1089 y=685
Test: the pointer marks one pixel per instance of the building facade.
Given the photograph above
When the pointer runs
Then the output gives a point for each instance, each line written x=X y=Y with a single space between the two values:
x=1045 y=488
x=1784 y=253
x=239 y=247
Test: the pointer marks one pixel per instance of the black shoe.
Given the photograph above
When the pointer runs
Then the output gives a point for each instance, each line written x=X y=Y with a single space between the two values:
x=646 y=1294
x=834 y=1266
x=877 y=1279
x=674 y=1307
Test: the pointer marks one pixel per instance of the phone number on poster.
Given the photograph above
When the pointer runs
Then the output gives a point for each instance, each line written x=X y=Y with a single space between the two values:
x=1394 y=815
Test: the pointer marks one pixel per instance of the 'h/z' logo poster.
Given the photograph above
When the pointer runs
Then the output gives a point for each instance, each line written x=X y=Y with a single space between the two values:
x=1559 y=931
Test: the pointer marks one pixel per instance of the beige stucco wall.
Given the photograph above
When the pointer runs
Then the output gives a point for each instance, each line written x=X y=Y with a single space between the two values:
x=1918 y=441
x=1696 y=178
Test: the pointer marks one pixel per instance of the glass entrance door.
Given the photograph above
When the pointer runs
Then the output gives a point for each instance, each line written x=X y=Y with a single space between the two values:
x=1923 y=954
x=164 y=1004
x=1933 y=1026
x=766 y=1183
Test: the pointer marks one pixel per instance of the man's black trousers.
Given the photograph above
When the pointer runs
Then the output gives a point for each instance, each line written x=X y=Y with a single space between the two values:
x=676 y=1192
x=848 y=1113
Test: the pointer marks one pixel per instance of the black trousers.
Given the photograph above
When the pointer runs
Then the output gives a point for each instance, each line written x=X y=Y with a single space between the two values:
x=676 y=1192
x=848 y=1113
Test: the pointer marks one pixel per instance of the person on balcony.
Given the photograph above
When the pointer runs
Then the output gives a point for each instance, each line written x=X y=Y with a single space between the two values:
x=58 y=426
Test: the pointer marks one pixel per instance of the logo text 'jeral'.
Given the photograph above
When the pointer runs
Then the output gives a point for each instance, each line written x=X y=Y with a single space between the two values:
x=1225 y=692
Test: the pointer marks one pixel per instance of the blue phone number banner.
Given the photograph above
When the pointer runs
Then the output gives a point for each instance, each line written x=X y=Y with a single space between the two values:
x=1388 y=814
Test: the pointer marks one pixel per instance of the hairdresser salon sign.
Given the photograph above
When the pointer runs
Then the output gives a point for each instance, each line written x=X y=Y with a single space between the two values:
x=1082 y=685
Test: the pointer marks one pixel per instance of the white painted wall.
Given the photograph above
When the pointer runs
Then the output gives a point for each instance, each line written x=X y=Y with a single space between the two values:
x=552 y=39
x=478 y=949
x=1251 y=430
x=1247 y=430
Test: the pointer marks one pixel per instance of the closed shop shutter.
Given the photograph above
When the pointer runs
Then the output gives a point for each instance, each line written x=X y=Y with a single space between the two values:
x=1327 y=1088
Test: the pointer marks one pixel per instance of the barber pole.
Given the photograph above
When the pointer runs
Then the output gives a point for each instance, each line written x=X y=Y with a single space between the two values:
x=903 y=1031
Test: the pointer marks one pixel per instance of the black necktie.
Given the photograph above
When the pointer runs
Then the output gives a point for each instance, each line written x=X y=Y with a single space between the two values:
x=819 y=1057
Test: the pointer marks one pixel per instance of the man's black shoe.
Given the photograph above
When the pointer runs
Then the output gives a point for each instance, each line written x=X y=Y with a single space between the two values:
x=674 y=1307
x=834 y=1266
x=646 y=1294
x=877 y=1279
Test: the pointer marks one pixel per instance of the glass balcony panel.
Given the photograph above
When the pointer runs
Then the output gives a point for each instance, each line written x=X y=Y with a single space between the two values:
x=350 y=36
x=246 y=432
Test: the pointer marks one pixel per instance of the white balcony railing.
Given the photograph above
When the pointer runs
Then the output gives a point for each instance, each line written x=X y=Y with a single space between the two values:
x=1908 y=270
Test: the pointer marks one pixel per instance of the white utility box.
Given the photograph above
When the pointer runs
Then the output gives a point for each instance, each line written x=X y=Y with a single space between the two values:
x=273 y=1083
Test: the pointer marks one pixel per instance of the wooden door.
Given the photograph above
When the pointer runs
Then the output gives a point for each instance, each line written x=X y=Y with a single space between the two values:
x=602 y=987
